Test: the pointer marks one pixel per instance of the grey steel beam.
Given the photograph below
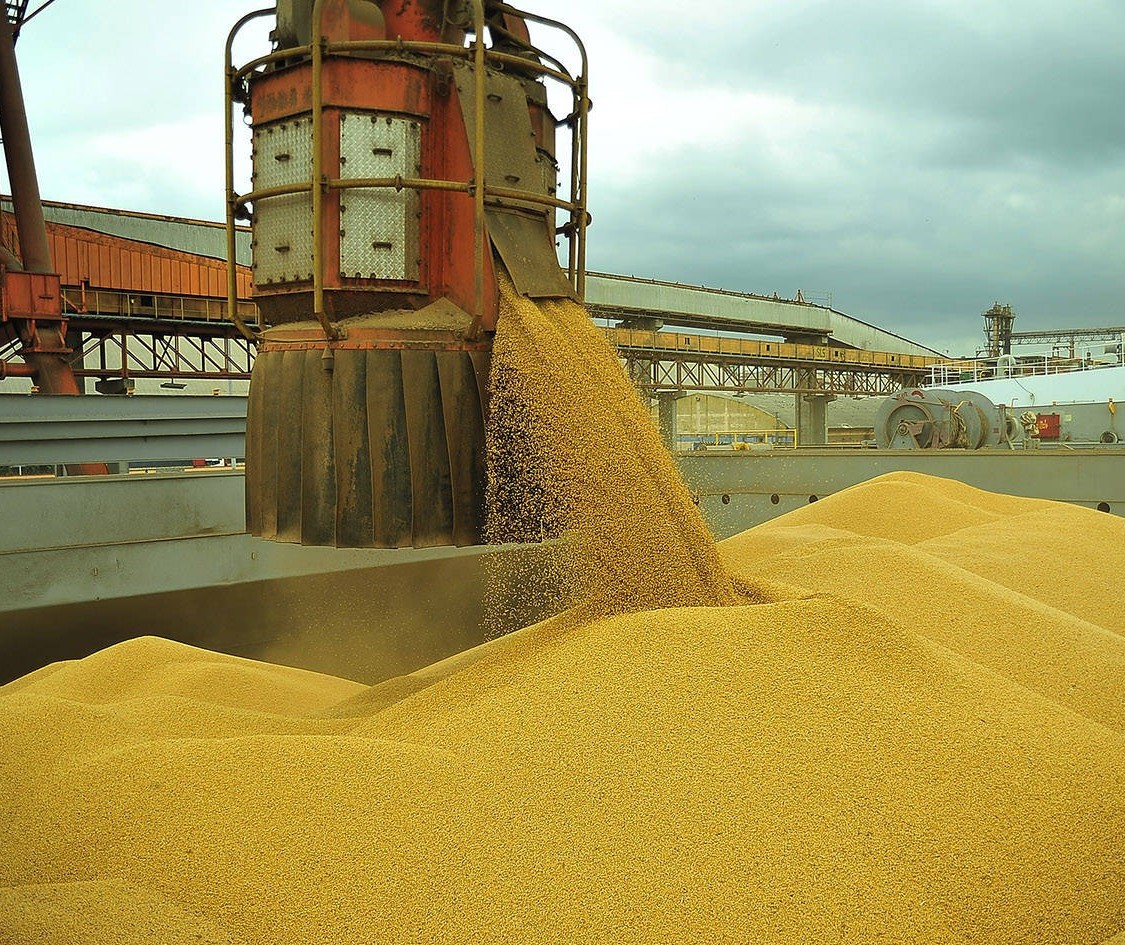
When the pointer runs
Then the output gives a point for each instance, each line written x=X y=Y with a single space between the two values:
x=739 y=490
x=45 y=430
x=1067 y=335
x=624 y=297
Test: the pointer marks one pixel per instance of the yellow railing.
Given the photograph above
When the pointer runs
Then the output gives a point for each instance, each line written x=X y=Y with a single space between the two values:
x=742 y=439
x=682 y=342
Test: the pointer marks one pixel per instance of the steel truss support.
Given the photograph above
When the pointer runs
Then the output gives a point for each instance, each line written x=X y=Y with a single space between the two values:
x=703 y=372
x=126 y=349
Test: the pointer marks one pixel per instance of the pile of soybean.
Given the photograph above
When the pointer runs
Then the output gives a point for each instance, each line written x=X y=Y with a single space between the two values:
x=920 y=738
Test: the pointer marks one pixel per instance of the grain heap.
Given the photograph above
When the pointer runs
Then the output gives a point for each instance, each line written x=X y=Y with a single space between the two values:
x=572 y=449
x=917 y=741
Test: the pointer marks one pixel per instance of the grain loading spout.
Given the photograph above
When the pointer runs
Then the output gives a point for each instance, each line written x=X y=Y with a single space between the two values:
x=397 y=168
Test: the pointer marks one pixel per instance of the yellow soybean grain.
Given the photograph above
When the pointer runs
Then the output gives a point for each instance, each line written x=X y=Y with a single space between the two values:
x=919 y=743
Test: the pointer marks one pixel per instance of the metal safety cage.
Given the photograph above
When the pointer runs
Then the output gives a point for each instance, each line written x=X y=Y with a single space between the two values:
x=479 y=190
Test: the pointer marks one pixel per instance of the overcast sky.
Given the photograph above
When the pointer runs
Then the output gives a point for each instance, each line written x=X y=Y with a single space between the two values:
x=919 y=160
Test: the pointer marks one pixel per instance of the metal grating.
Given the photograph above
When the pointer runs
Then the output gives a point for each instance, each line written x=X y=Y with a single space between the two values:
x=282 y=226
x=16 y=11
x=379 y=225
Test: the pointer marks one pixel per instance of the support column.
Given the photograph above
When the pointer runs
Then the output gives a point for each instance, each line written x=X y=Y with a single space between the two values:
x=77 y=360
x=812 y=419
x=666 y=413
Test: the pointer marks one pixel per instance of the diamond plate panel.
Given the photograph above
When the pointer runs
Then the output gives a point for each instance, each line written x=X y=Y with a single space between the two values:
x=379 y=226
x=282 y=226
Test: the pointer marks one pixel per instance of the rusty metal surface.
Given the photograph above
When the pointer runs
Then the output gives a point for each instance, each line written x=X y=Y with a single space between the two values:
x=384 y=450
x=464 y=434
x=42 y=333
x=361 y=72
x=391 y=230
x=528 y=254
x=428 y=451
x=116 y=263
x=35 y=254
x=391 y=491
x=511 y=157
x=524 y=238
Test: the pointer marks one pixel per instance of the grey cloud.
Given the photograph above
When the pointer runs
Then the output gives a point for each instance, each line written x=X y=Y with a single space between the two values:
x=916 y=250
x=968 y=152
x=1005 y=79
x=979 y=153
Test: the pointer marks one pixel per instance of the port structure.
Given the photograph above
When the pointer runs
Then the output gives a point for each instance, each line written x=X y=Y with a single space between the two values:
x=663 y=362
x=141 y=298
x=145 y=296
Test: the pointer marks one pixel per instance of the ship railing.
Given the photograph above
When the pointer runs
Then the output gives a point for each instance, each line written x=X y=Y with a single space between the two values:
x=974 y=370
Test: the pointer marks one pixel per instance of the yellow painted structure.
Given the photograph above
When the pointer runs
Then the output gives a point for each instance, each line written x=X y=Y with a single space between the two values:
x=674 y=341
x=709 y=413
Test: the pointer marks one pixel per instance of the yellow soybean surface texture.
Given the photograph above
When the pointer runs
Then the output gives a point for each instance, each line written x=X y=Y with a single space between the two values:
x=921 y=739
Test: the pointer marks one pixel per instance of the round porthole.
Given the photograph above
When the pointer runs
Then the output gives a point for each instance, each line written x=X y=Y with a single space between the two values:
x=775 y=498
x=1103 y=506
x=812 y=498
x=726 y=499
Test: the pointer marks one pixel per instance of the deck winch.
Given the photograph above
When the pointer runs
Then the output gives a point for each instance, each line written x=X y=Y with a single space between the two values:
x=933 y=419
x=403 y=155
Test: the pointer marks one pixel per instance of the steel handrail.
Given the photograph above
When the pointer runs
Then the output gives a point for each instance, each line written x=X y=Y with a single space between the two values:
x=231 y=196
x=318 y=185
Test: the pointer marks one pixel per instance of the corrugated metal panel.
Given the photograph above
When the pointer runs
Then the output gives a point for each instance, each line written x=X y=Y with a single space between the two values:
x=197 y=237
x=622 y=295
x=116 y=263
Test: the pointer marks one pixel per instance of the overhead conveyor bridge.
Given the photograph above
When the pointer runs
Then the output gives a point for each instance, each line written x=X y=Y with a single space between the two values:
x=634 y=301
x=667 y=361
x=144 y=299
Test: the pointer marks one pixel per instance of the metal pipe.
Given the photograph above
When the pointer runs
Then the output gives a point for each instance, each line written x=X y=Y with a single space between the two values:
x=406 y=183
x=478 y=194
x=403 y=45
x=530 y=197
x=400 y=45
x=293 y=52
x=546 y=21
x=446 y=49
x=331 y=332
x=43 y=346
x=34 y=13
x=529 y=66
x=400 y=183
x=280 y=190
x=580 y=198
x=9 y=369
x=232 y=197
x=496 y=29
x=35 y=250
x=572 y=234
